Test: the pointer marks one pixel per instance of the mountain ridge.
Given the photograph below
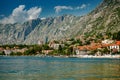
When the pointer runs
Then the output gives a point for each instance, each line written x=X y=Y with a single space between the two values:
x=104 y=19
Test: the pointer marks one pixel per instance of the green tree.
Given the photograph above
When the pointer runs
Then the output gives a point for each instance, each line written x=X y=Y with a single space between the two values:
x=105 y=51
x=16 y=54
x=109 y=34
x=2 y=53
x=93 y=52
x=118 y=35
x=114 y=36
x=69 y=51
x=60 y=49
x=45 y=47
x=30 y=52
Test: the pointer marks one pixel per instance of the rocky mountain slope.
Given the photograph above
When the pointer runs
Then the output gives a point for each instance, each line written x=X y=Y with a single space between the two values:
x=104 y=19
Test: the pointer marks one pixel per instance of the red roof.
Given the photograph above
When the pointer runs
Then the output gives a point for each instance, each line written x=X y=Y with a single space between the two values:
x=118 y=42
x=96 y=46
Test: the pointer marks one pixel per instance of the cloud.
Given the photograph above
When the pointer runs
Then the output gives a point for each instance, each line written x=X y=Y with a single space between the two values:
x=83 y=6
x=21 y=15
x=2 y=15
x=43 y=18
x=60 y=8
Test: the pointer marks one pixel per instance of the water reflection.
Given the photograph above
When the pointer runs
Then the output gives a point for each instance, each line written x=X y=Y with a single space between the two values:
x=36 y=68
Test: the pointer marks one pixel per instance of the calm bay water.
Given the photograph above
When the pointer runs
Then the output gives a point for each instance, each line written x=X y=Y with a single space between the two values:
x=48 y=68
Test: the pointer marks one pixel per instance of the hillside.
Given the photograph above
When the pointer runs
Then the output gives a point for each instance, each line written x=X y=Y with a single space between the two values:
x=104 y=19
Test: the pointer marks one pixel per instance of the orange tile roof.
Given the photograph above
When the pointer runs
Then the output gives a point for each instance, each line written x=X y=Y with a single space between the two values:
x=96 y=46
x=118 y=42
x=1 y=49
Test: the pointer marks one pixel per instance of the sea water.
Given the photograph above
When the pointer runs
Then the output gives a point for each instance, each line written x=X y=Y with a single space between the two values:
x=50 y=68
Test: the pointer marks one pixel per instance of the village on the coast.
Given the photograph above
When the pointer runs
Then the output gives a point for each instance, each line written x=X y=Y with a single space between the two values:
x=66 y=48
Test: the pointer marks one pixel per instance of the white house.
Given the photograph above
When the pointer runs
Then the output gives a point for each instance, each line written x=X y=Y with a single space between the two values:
x=107 y=41
x=115 y=47
x=81 y=52
x=7 y=52
x=40 y=42
x=56 y=45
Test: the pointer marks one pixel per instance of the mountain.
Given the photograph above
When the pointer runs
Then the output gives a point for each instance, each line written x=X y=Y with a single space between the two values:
x=104 y=19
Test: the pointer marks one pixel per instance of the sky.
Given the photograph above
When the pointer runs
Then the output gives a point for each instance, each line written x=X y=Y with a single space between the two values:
x=12 y=11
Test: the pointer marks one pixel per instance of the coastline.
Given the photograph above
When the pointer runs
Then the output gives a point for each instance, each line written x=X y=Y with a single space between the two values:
x=84 y=56
x=74 y=56
x=91 y=56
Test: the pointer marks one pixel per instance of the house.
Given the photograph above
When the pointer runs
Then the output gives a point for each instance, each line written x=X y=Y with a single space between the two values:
x=107 y=41
x=19 y=50
x=109 y=44
x=56 y=45
x=46 y=51
x=85 y=50
x=40 y=42
x=115 y=47
x=1 y=49
x=118 y=42
x=82 y=50
x=7 y=52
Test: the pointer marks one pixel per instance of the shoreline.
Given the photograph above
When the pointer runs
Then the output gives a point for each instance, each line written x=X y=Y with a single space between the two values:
x=91 y=56
x=73 y=56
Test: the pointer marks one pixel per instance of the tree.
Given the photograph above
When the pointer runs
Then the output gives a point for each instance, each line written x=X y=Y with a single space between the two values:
x=45 y=47
x=109 y=34
x=30 y=52
x=77 y=42
x=93 y=52
x=2 y=53
x=87 y=42
x=37 y=48
x=70 y=51
x=105 y=51
x=60 y=50
x=17 y=53
x=116 y=36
